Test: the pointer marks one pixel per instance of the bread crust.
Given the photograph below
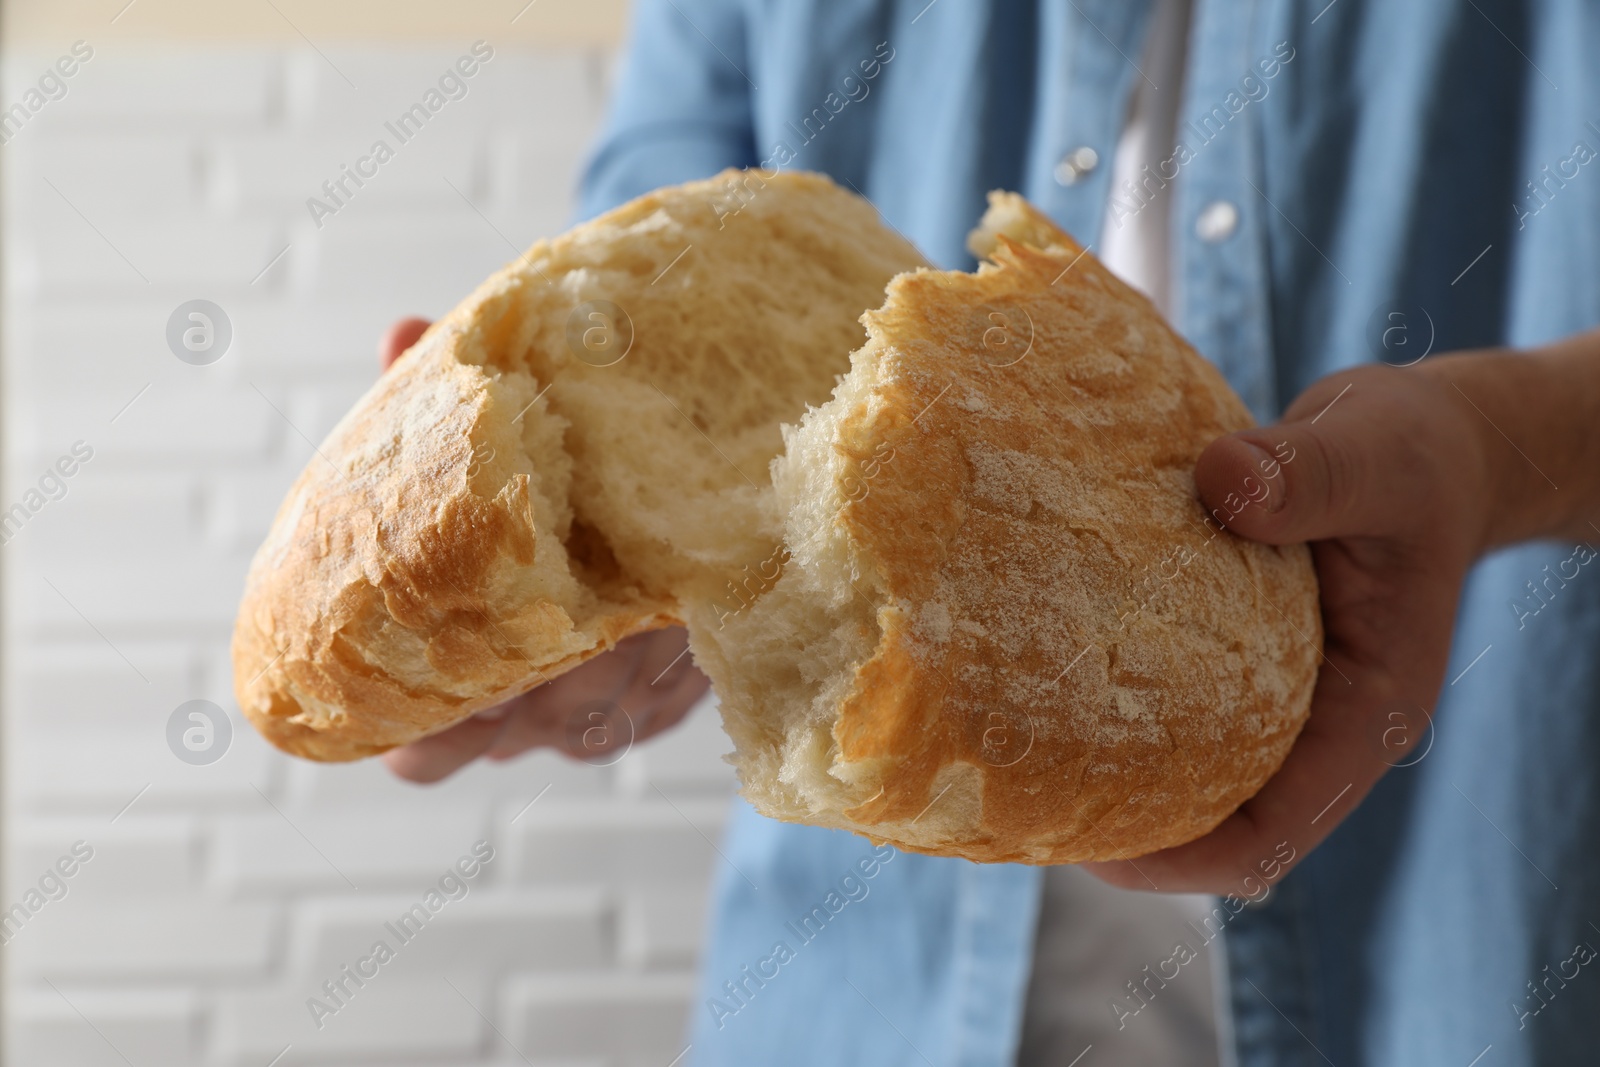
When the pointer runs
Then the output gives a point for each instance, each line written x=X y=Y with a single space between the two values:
x=1073 y=661
x=384 y=540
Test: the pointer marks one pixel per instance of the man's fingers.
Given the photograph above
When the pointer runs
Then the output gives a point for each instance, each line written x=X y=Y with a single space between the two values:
x=1352 y=458
x=399 y=337
x=594 y=712
x=441 y=755
x=553 y=714
x=655 y=685
x=531 y=726
x=685 y=694
x=578 y=712
x=1296 y=482
x=665 y=684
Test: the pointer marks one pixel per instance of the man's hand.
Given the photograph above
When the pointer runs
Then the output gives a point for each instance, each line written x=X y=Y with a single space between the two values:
x=399 y=337
x=593 y=712
x=1400 y=479
x=638 y=689
x=1385 y=472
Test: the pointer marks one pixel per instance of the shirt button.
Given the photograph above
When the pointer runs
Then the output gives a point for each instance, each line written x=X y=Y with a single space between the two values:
x=1216 y=222
x=1076 y=163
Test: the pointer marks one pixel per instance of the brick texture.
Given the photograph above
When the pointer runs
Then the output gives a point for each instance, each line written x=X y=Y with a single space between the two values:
x=219 y=899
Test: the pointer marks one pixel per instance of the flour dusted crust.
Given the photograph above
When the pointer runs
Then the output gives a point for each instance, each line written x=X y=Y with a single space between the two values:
x=968 y=603
x=1025 y=642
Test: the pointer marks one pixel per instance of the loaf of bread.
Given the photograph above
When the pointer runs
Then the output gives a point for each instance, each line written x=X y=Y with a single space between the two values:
x=950 y=579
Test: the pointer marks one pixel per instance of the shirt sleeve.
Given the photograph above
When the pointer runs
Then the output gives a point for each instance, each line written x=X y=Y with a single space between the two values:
x=681 y=108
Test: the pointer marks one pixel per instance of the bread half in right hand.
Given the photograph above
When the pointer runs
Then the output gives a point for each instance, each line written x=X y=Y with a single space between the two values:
x=1006 y=628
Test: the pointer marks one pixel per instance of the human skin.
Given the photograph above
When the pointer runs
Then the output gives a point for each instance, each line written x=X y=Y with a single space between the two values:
x=1400 y=479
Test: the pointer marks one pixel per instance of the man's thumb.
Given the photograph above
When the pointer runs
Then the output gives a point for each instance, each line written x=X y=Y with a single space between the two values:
x=1291 y=482
x=399 y=337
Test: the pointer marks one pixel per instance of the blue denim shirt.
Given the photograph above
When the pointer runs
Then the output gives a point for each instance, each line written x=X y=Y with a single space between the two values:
x=1431 y=160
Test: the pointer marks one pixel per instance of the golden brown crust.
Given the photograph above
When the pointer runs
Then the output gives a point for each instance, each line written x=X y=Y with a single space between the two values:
x=1072 y=664
x=382 y=532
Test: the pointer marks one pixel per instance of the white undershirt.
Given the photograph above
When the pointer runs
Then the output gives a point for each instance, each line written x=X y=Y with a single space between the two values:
x=1134 y=245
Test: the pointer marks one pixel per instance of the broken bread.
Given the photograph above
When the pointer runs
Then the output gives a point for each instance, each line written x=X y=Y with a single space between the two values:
x=1006 y=628
x=953 y=588
x=558 y=463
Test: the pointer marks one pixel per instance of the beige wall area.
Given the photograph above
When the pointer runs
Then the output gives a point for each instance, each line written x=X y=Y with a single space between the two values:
x=530 y=22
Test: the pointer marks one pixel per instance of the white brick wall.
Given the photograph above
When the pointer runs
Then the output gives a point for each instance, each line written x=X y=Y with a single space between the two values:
x=223 y=896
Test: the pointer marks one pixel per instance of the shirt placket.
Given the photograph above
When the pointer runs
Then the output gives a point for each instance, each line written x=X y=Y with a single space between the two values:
x=1217 y=242
x=1086 y=74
